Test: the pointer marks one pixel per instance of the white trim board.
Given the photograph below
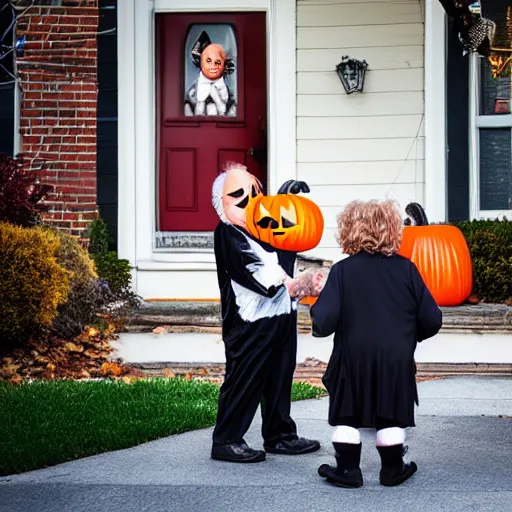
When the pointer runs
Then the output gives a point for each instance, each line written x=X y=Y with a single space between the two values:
x=435 y=112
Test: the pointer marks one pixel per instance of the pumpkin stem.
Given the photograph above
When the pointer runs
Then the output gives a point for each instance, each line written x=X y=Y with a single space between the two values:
x=416 y=212
x=293 y=187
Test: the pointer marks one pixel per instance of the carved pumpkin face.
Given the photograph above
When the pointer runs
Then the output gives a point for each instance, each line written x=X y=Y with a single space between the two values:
x=286 y=222
x=240 y=188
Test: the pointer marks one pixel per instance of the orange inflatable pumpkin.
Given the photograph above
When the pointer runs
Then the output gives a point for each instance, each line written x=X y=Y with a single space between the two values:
x=285 y=221
x=442 y=257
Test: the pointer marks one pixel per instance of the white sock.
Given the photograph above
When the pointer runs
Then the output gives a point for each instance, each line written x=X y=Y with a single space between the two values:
x=390 y=436
x=344 y=434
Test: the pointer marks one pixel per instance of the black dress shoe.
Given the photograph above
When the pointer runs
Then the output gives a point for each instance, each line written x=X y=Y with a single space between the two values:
x=348 y=478
x=297 y=446
x=237 y=452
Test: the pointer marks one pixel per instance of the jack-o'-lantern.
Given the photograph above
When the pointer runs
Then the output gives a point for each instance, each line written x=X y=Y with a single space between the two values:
x=442 y=256
x=285 y=221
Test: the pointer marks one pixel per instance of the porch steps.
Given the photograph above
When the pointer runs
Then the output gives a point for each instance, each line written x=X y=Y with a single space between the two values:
x=313 y=371
x=202 y=354
x=204 y=317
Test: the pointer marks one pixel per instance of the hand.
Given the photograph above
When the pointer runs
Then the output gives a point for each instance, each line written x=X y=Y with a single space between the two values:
x=290 y=285
x=317 y=283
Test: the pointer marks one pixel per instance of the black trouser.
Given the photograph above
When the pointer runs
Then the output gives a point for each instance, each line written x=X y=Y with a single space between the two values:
x=259 y=369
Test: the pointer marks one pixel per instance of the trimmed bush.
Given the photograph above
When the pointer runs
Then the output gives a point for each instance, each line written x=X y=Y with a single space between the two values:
x=87 y=296
x=74 y=258
x=20 y=193
x=32 y=283
x=100 y=240
x=490 y=245
x=114 y=271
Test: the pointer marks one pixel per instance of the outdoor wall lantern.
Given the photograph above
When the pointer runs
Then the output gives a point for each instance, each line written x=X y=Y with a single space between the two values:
x=351 y=73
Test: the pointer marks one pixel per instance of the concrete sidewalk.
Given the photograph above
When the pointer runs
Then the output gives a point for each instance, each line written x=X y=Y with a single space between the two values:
x=462 y=444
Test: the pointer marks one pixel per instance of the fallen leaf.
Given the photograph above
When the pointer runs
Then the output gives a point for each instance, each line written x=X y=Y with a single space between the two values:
x=10 y=369
x=159 y=330
x=168 y=373
x=129 y=379
x=93 y=332
x=16 y=379
x=72 y=347
x=111 y=368
x=92 y=354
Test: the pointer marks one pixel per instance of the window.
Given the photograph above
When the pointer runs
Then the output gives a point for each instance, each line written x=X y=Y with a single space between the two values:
x=490 y=141
x=210 y=77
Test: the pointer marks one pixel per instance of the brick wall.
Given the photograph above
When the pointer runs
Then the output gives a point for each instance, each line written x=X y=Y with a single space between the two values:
x=58 y=78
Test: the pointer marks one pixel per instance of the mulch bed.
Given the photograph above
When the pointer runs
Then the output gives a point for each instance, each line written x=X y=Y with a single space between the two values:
x=85 y=357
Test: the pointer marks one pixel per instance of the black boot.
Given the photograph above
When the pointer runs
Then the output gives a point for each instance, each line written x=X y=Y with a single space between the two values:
x=347 y=473
x=394 y=470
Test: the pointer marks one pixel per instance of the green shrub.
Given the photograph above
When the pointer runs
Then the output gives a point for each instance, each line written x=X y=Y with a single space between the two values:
x=73 y=257
x=115 y=271
x=87 y=297
x=114 y=274
x=490 y=245
x=32 y=283
x=100 y=240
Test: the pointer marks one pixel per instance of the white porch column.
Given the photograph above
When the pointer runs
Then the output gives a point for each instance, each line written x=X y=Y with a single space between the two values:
x=435 y=112
x=126 y=130
x=281 y=73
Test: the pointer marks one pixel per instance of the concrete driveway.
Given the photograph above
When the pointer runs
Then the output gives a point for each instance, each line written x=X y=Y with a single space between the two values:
x=462 y=445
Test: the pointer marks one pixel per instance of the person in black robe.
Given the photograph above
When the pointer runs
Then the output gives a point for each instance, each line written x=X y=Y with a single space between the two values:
x=259 y=329
x=378 y=307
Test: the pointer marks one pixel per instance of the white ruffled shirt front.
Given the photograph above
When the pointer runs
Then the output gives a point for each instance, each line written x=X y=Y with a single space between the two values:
x=205 y=86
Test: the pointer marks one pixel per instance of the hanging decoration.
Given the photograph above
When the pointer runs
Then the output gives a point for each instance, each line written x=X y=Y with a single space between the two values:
x=484 y=27
x=351 y=72
x=475 y=33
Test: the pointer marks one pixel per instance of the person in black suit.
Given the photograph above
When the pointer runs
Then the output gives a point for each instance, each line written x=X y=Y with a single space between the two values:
x=259 y=329
x=378 y=307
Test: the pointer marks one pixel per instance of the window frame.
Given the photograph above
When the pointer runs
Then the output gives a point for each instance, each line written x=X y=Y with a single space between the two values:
x=477 y=122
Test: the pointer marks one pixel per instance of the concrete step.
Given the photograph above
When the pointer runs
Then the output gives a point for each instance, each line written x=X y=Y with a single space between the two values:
x=191 y=316
x=445 y=353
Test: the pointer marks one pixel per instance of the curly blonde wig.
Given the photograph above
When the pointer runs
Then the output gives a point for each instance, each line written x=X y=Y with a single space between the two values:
x=373 y=226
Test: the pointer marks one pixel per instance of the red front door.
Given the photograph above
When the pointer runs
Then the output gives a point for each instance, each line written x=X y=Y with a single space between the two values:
x=211 y=109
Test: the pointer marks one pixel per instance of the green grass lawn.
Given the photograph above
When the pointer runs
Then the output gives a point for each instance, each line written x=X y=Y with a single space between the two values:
x=46 y=423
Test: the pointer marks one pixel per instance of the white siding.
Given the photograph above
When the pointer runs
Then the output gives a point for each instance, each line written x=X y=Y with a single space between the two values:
x=360 y=146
